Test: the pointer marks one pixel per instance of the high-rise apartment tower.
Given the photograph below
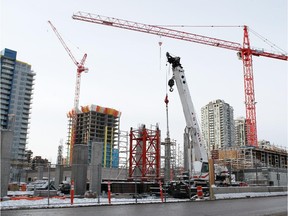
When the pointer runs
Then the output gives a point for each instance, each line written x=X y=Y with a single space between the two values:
x=17 y=80
x=217 y=125
x=240 y=132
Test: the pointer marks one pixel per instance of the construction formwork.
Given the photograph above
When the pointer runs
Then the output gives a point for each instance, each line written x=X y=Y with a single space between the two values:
x=144 y=154
x=97 y=124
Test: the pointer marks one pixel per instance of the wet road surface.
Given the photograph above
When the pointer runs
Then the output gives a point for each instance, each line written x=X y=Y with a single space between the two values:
x=276 y=206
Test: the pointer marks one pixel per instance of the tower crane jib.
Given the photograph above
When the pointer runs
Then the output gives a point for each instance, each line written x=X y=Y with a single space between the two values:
x=80 y=68
x=244 y=51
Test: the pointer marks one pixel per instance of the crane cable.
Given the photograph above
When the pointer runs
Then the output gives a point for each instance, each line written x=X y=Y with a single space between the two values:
x=271 y=44
x=160 y=53
x=166 y=86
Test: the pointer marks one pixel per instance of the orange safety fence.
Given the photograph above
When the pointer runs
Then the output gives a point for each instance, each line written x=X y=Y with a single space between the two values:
x=35 y=198
x=26 y=198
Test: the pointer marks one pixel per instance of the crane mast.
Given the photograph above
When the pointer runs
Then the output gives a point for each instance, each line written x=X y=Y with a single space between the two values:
x=196 y=155
x=244 y=51
x=80 y=68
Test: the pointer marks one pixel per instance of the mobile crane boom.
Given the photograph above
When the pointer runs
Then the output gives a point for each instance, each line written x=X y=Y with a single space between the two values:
x=196 y=159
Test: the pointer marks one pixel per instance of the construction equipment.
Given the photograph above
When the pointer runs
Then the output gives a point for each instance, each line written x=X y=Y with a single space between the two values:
x=245 y=52
x=196 y=158
x=80 y=69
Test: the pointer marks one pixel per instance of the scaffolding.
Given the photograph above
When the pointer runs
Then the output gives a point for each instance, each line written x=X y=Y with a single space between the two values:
x=169 y=158
x=123 y=149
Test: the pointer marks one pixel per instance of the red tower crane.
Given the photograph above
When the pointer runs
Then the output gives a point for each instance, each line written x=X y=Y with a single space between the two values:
x=80 y=68
x=244 y=51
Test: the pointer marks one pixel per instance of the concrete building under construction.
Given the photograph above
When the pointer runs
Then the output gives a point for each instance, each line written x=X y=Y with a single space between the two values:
x=101 y=125
x=255 y=165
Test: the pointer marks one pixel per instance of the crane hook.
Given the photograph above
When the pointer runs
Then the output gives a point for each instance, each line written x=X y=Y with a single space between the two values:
x=171 y=84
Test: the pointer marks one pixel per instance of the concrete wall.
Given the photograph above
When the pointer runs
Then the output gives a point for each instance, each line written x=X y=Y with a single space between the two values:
x=266 y=176
x=107 y=173
x=58 y=175
x=96 y=166
x=6 y=139
x=79 y=168
x=222 y=190
x=278 y=178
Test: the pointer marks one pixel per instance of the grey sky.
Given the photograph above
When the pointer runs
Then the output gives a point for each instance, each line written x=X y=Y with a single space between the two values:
x=124 y=66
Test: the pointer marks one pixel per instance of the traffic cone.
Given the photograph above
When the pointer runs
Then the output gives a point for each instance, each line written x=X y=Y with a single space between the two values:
x=199 y=192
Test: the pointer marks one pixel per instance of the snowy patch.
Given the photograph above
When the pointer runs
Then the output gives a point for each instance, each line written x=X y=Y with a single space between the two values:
x=61 y=203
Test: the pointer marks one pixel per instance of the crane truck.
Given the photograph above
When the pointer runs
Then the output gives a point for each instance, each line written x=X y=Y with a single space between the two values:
x=195 y=155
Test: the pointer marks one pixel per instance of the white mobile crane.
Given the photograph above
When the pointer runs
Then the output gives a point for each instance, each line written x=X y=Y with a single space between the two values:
x=195 y=158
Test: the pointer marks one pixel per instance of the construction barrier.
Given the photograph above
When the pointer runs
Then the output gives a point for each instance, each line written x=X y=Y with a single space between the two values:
x=58 y=197
x=26 y=198
x=109 y=193
x=34 y=198
x=23 y=187
x=199 y=192
x=161 y=190
x=72 y=192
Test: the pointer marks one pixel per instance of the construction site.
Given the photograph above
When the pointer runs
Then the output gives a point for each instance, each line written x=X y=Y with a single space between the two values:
x=95 y=138
x=98 y=153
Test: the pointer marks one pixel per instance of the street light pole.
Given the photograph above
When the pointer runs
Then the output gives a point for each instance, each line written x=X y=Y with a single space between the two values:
x=48 y=183
x=256 y=173
x=135 y=190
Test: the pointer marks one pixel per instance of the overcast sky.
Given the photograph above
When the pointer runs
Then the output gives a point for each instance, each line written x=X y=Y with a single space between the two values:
x=128 y=72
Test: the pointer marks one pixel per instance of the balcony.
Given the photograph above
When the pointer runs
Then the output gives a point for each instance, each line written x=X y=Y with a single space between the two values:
x=6 y=76
x=29 y=88
x=26 y=112
x=27 y=97
x=30 y=78
x=24 y=127
x=5 y=85
x=6 y=71
x=26 y=106
x=4 y=60
x=21 y=147
x=7 y=66
x=4 y=102
x=3 y=107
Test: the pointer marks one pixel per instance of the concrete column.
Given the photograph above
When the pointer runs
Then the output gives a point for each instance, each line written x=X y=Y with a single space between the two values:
x=58 y=175
x=6 y=138
x=40 y=169
x=79 y=168
x=96 y=167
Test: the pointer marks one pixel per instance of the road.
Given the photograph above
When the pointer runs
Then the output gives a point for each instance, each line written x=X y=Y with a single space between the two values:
x=276 y=206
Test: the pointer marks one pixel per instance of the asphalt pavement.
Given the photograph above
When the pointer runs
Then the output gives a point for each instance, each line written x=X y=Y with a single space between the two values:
x=276 y=206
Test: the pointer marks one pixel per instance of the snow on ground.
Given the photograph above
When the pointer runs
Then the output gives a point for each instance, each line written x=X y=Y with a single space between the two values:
x=247 y=195
x=56 y=202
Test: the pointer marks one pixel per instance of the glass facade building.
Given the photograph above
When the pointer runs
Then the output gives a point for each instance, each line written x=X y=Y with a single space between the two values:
x=17 y=80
